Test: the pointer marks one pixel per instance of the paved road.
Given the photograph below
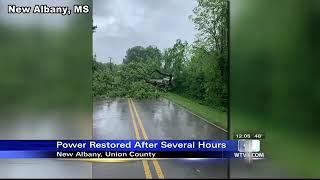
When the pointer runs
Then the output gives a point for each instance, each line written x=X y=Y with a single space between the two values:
x=153 y=119
x=161 y=119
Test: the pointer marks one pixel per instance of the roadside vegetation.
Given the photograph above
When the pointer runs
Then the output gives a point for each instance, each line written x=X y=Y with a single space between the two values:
x=210 y=114
x=197 y=71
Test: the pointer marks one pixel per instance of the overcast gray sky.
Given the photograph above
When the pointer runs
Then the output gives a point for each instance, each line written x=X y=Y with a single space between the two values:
x=126 y=23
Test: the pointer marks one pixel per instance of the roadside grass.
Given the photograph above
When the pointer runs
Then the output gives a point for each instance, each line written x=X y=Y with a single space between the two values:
x=212 y=115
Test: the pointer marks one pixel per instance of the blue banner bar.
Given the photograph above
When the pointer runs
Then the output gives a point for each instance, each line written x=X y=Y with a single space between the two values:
x=220 y=149
x=119 y=145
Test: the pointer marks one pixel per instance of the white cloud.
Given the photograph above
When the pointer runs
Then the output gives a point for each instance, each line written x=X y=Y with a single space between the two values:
x=125 y=23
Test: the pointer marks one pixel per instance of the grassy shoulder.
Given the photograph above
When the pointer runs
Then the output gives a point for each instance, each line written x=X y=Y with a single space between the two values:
x=213 y=115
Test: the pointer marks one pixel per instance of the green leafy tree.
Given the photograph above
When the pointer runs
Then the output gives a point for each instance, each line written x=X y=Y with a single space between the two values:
x=211 y=20
x=141 y=54
x=198 y=71
x=174 y=59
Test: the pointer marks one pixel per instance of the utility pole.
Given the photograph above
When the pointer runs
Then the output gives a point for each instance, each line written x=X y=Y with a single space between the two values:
x=110 y=63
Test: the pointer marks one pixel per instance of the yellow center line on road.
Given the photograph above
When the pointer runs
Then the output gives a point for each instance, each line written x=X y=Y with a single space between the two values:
x=145 y=164
x=155 y=162
x=134 y=122
x=145 y=136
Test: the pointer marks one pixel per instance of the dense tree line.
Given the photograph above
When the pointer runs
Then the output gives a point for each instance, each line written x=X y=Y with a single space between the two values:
x=197 y=70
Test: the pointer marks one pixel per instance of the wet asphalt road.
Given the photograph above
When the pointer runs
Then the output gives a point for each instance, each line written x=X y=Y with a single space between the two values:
x=161 y=119
x=112 y=120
